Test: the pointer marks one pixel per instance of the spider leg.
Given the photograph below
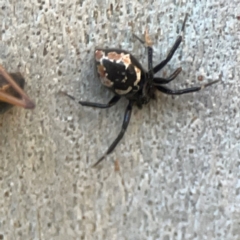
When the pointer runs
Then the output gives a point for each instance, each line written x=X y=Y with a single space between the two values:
x=112 y=102
x=148 y=43
x=167 y=80
x=172 y=50
x=125 y=123
x=147 y=88
x=138 y=38
x=184 y=91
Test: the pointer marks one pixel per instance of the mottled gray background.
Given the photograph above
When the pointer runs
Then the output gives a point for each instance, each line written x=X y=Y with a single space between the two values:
x=179 y=161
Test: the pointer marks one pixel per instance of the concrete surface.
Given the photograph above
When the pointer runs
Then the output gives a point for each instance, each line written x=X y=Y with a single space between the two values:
x=179 y=163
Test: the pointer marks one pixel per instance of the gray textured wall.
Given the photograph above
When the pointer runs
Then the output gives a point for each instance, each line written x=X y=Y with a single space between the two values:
x=179 y=161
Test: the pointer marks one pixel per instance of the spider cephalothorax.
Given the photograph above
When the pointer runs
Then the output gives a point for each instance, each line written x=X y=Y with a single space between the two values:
x=120 y=71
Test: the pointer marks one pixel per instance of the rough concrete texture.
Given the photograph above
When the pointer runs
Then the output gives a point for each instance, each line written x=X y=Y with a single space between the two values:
x=179 y=162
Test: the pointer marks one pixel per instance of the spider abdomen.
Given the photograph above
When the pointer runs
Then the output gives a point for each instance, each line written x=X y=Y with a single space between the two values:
x=118 y=71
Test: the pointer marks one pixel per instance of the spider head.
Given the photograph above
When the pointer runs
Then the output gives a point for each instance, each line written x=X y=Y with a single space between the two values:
x=145 y=95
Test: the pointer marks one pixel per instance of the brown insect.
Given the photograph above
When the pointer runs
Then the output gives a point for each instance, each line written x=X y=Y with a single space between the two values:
x=11 y=91
x=116 y=166
x=200 y=77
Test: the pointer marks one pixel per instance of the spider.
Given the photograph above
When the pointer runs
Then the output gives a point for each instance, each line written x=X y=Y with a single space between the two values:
x=120 y=71
x=11 y=91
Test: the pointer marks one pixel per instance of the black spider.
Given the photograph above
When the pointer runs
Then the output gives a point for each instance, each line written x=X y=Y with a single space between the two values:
x=124 y=76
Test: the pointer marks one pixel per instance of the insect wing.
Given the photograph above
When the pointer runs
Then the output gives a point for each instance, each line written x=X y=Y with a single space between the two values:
x=11 y=91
